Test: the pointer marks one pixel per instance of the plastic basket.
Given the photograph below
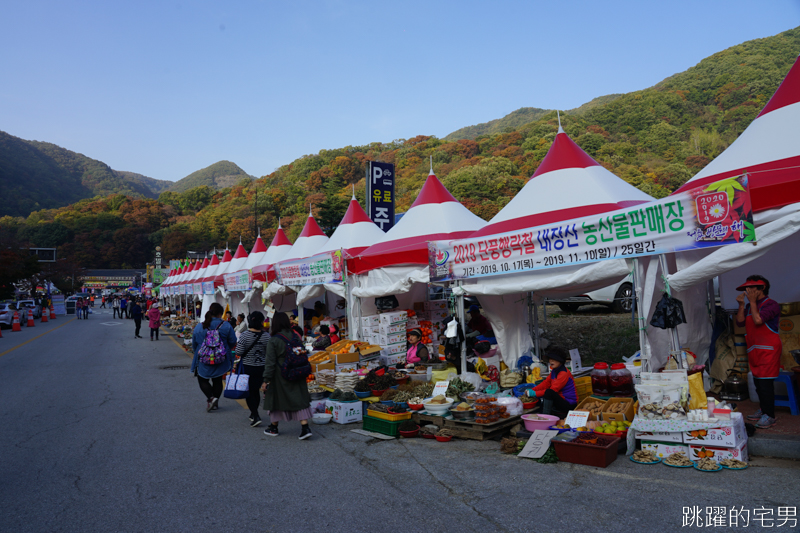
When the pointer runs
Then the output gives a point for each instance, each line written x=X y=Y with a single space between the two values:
x=389 y=417
x=587 y=454
x=382 y=426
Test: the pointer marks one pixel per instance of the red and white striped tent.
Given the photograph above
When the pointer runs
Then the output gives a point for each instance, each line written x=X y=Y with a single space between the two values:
x=769 y=152
x=235 y=265
x=398 y=263
x=568 y=184
x=434 y=216
x=311 y=239
x=277 y=250
x=355 y=233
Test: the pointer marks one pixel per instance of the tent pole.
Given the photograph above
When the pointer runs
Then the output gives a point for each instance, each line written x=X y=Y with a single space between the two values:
x=536 y=330
x=359 y=327
x=544 y=311
x=676 y=343
x=460 y=310
x=301 y=320
x=347 y=298
x=640 y=320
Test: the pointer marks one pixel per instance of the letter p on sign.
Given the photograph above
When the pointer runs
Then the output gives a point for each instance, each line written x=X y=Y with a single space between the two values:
x=377 y=173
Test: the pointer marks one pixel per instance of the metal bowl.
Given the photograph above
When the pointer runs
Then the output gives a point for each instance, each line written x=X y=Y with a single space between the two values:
x=317 y=395
x=462 y=415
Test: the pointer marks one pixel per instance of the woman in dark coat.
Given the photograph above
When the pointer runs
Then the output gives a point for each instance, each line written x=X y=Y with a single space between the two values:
x=284 y=400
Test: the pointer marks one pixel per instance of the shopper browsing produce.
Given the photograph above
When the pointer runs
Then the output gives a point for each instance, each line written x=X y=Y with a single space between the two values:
x=557 y=392
x=760 y=316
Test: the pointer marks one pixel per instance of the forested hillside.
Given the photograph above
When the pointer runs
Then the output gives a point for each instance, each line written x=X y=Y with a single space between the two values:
x=656 y=139
x=217 y=176
x=38 y=175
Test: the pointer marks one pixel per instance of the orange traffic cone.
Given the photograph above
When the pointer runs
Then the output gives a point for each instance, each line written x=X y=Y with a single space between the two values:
x=43 y=318
x=30 y=318
x=15 y=323
x=52 y=312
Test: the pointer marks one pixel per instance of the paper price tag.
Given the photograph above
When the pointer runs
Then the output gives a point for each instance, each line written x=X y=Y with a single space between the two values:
x=574 y=360
x=577 y=419
x=441 y=388
x=538 y=444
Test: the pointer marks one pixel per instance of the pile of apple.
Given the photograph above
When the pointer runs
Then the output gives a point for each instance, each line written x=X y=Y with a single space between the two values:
x=612 y=428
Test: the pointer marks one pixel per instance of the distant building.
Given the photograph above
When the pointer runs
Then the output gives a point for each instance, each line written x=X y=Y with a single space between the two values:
x=111 y=279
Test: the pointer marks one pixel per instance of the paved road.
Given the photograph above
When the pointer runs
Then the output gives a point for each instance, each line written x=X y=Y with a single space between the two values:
x=97 y=437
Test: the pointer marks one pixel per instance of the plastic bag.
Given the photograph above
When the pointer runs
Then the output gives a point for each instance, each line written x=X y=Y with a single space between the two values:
x=697 y=393
x=472 y=378
x=513 y=405
x=668 y=314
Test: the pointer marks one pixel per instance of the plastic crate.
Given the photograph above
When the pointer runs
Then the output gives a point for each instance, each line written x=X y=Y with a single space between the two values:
x=587 y=454
x=389 y=417
x=383 y=426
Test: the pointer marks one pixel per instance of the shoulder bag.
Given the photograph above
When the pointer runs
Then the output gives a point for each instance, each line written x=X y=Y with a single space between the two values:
x=237 y=386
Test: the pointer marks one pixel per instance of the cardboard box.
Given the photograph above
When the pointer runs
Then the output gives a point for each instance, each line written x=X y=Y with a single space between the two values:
x=344 y=413
x=324 y=366
x=318 y=406
x=592 y=417
x=661 y=436
x=412 y=323
x=391 y=360
x=394 y=338
x=346 y=366
x=393 y=329
x=720 y=453
x=788 y=324
x=393 y=349
x=437 y=315
x=724 y=437
x=371 y=320
x=665 y=449
x=436 y=305
x=627 y=414
x=394 y=317
x=342 y=358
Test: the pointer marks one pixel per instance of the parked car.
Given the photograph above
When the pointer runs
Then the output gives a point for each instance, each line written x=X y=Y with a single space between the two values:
x=618 y=297
x=24 y=305
x=7 y=315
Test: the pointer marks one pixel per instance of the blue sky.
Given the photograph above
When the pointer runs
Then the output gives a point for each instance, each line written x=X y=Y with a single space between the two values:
x=164 y=88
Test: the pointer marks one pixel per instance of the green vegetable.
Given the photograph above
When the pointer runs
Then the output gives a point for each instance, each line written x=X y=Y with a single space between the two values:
x=549 y=456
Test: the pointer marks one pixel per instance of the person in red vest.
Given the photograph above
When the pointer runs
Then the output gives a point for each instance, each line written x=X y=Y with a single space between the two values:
x=760 y=315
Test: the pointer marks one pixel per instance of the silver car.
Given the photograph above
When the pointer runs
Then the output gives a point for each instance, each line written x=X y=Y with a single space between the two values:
x=24 y=305
x=7 y=315
x=618 y=297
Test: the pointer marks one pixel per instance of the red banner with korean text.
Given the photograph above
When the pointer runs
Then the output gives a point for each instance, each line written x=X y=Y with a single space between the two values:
x=712 y=215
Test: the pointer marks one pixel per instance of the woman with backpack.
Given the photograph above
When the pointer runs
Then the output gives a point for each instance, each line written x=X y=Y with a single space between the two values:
x=252 y=347
x=213 y=342
x=285 y=399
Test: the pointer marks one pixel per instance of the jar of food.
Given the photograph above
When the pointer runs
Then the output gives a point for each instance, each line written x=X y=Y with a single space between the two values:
x=620 y=381
x=600 y=379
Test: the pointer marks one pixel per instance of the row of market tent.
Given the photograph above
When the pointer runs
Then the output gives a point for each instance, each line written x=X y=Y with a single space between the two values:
x=567 y=184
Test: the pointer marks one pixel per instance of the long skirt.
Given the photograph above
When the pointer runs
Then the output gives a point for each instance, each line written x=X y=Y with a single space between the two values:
x=287 y=416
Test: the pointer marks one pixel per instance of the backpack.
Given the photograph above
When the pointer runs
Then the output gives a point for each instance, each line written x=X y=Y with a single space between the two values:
x=295 y=365
x=212 y=352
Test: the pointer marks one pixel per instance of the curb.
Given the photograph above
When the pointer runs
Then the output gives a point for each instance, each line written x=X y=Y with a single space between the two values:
x=778 y=446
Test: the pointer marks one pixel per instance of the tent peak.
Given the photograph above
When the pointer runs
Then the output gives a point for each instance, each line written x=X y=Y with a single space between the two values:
x=558 y=115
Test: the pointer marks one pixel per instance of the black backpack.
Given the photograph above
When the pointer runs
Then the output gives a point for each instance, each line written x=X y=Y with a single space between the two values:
x=295 y=365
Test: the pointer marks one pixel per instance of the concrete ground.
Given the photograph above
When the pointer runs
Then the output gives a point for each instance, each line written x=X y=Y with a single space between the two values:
x=102 y=432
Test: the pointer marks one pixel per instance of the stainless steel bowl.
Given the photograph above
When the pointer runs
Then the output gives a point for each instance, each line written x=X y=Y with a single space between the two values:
x=317 y=395
x=462 y=415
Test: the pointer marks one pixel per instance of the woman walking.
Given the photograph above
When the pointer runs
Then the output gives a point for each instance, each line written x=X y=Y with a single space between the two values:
x=79 y=308
x=252 y=348
x=209 y=377
x=285 y=400
x=154 y=316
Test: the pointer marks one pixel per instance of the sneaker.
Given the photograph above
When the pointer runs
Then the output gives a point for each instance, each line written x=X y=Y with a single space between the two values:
x=214 y=404
x=305 y=432
x=755 y=416
x=271 y=431
x=208 y=403
x=765 y=422
x=255 y=422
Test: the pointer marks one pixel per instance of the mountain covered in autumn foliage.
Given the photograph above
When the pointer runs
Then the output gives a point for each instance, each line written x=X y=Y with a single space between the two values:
x=656 y=139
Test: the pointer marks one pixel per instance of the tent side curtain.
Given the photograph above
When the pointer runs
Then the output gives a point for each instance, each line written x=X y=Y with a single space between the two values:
x=390 y=280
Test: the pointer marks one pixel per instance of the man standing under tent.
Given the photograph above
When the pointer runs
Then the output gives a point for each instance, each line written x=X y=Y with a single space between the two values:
x=760 y=317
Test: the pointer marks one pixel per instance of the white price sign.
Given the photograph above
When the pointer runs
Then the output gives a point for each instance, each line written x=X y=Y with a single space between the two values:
x=577 y=419
x=441 y=388
x=574 y=360
x=538 y=444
